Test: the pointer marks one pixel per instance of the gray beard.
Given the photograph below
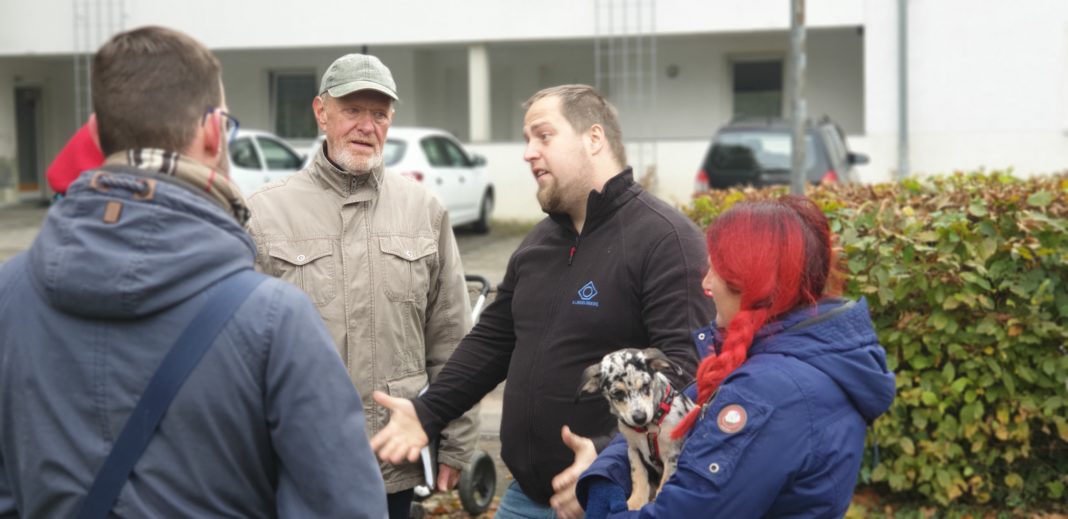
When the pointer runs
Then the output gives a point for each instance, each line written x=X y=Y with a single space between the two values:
x=355 y=167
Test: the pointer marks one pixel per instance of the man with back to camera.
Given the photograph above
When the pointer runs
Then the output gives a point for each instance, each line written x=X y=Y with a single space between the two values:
x=376 y=253
x=611 y=267
x=267 y=423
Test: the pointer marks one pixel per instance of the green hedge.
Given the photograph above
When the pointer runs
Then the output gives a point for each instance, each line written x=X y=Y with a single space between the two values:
x=967 y=278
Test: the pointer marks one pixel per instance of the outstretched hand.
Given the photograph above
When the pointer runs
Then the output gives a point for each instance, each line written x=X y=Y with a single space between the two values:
x=403 y=436
x=564 y=501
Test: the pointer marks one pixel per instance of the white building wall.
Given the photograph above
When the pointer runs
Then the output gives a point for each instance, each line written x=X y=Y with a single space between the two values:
x=54 y=76
x=242 y=24
x=988 y=86
x=246 y=75
x=988 y=79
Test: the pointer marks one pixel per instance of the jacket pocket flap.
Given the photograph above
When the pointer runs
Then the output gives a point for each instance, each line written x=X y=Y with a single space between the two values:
x=300 y=252
x=407 y=248
x=408 y=386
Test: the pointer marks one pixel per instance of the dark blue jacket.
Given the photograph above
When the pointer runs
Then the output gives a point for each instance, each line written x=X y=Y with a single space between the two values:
x=812 y=383
x=267 y=424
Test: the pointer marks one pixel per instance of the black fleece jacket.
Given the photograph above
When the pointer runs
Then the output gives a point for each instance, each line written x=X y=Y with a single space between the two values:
x=631 y=279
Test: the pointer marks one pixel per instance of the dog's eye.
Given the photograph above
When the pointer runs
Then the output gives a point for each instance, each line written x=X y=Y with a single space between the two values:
x=618 y=395
x=645 y=387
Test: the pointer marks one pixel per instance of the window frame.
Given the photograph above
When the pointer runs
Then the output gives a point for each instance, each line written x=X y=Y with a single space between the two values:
x=735 y=60
x=253 y=145
x=260 y=139
x=273 y=77
x=446 y=143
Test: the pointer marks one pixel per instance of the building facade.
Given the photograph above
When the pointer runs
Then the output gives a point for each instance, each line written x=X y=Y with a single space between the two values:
x=986 y=87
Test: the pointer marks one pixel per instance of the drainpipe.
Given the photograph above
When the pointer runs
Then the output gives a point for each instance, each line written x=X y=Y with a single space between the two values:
x=902 y=89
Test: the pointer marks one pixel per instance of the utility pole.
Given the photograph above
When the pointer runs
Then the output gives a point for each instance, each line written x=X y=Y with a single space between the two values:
x=797 y=89
x=902 y=89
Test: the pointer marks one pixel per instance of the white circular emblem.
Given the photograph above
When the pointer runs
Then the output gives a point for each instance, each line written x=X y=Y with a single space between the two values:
x=301 y=257
x=701 y=336
x=408 y=253
x=731 y=419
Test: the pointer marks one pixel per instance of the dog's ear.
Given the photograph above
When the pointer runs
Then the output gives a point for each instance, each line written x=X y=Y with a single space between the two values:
x=591 y=381
x=662 y=364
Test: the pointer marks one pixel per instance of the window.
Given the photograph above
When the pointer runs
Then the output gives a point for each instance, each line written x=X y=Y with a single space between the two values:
x=434 y=153
x=456 y=156
x=291 y=98
x=393 y=152
x=244 y=155
x=759 y=151
x=278 y=156
x=757 y=88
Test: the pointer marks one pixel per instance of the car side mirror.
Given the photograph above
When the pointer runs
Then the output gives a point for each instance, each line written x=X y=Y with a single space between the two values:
x=477 y=160
x=857 y=158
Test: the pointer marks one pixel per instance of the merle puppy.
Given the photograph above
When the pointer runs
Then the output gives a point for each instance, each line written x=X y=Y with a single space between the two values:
x=643 y=391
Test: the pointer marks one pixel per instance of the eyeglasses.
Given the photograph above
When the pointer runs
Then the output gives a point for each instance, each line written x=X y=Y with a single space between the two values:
x=230 y=123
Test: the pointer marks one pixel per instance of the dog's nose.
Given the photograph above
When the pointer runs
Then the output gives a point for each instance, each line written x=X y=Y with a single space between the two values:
x=638 y=417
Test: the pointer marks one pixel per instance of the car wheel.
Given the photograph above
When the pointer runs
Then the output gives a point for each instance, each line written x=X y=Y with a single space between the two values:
x=481 y=226
x=478 y=483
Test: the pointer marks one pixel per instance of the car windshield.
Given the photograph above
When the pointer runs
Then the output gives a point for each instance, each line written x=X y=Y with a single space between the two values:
x=393 y=151
x=758 y=151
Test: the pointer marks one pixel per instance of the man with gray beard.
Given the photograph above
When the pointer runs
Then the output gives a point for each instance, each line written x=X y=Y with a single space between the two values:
x=376 y=253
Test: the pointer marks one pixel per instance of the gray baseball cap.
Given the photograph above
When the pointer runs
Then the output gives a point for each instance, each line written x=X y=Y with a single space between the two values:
x=353 y=72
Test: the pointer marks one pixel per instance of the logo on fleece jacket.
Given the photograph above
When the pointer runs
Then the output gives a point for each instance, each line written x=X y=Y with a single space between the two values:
x=586 y=295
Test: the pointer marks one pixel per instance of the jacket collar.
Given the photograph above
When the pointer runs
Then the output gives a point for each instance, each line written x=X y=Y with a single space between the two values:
x=600 y=205
x=201 y=179
x=709 y=339
x=356 y=188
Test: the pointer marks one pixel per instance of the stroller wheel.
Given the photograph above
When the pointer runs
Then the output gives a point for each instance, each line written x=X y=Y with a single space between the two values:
x=478 y=483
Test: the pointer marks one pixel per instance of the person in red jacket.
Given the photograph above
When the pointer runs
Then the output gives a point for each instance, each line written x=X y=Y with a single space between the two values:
x=81 y=153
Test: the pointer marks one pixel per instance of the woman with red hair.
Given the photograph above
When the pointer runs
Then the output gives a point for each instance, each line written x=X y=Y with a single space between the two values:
x=791 y=378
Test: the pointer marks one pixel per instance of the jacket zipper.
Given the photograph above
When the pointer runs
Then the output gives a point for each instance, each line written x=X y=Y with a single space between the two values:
x=534 y=362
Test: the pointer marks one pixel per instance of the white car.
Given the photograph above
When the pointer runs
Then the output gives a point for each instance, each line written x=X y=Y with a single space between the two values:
x=257 y=158
x=437 y=160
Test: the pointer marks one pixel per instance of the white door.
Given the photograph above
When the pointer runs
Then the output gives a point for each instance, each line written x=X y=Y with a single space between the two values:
x=438 y=177
x=463 y=173
x=246 y=165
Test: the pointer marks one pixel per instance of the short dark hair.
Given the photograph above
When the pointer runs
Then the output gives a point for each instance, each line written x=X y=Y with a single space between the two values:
x=583 y=106
x=151 y=87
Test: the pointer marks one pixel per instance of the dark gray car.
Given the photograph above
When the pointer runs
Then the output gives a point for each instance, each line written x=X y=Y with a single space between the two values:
x=758 y=153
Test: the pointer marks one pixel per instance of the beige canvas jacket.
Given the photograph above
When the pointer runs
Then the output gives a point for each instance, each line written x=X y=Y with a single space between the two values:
x=378 y=257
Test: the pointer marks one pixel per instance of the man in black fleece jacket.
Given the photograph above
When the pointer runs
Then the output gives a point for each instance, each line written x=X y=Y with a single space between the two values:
x=611 y=267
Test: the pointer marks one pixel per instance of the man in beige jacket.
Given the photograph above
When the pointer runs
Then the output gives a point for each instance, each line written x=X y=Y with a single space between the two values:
x=376 y=253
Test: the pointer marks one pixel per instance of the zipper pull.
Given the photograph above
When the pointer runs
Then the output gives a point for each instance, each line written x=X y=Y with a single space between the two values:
x=571 y=256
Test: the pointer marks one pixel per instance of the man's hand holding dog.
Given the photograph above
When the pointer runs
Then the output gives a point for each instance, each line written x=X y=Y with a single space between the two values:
x=401 y=438
x=564 y=501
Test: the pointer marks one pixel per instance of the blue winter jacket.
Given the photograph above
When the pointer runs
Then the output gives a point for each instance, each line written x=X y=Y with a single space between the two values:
x=784 y=435
x=266 y=425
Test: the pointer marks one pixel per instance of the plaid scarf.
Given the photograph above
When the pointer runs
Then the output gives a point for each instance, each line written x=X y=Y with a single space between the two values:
x=216 y=187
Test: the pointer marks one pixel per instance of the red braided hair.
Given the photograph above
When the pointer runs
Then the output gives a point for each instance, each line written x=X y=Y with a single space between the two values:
x=777 y=255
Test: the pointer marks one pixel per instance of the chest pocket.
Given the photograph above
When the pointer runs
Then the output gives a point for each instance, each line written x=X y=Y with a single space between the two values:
x=309 y=264
x=721 y=437
x=405 y=266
